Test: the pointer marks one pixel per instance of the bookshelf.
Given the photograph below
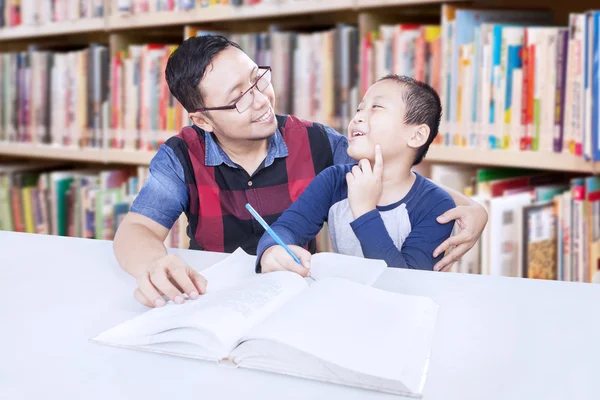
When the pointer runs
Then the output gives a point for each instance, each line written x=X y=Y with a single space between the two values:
x=86 y=25
x=129 y=44
x=221 y=13
x=517 y=159
x=88 y=155
x=436 y=154
x=123 y=29
x=212 y=14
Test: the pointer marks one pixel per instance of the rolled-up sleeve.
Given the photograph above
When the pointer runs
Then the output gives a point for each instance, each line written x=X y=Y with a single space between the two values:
x=339 y=147
x=164 y=195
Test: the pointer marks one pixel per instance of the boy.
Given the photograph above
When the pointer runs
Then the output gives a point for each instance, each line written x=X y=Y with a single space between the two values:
x=386 y=213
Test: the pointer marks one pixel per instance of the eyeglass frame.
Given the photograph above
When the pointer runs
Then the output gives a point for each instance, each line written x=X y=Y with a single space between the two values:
x=233 y=106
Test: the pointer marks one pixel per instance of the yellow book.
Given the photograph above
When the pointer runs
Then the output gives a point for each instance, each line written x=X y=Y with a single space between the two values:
x=432 y=32
x=27 y=209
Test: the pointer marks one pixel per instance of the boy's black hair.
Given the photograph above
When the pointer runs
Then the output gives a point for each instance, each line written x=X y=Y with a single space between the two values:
x=423 y=106
x=187 y=65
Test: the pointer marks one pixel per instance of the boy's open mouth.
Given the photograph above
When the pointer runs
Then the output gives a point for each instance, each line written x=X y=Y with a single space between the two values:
x=358 y=134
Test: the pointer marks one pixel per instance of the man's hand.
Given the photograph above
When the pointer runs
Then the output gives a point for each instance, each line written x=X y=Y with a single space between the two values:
x=471 y=220
x=169 y=276
x=275 y=258
x=364 y=185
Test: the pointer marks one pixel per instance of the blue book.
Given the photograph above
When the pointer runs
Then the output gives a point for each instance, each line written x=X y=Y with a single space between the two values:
x=596 y=87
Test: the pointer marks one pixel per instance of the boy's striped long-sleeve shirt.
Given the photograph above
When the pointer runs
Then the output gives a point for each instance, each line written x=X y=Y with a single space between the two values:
x=403 y=234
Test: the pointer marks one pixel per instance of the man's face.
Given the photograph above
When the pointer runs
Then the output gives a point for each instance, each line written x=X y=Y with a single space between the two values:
x=229 y=75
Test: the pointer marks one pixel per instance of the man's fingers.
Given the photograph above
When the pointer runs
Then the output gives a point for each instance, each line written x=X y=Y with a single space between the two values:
x=378 y=167
x=150 y=292
x=199 y=281
x=450 y=215
x=450 y=258
x=448 y=267
x=139 y=296
x=446 y=244
x=356 y=171
x=161 y=281
x=184 y=281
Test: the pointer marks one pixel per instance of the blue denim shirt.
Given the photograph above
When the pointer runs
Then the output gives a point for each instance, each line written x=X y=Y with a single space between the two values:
x=165 y=195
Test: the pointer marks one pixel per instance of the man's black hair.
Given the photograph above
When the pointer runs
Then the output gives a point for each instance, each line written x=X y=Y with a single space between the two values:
x=423 y=106
x=187 y=65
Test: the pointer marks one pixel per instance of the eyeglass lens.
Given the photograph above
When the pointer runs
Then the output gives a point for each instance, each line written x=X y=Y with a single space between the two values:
x=246 y=100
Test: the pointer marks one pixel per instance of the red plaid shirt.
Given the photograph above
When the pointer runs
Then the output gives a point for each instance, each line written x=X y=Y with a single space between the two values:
x=218 y=191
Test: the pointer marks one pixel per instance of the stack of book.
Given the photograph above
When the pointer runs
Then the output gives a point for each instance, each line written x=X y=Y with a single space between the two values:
x=541 y=225
x=58 y=200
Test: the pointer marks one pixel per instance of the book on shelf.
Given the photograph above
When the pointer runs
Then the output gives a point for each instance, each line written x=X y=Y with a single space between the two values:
x=14 y=13
x=337 y=328
x=508 y=80
x=530 y=213
x=58 y=200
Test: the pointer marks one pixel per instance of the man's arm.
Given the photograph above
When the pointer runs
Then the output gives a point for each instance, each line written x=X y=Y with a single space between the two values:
x=470 y=217
x=139 y=242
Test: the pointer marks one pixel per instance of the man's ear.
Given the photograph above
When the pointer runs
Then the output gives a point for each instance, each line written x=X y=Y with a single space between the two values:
x=418 y=136
x=201 y=121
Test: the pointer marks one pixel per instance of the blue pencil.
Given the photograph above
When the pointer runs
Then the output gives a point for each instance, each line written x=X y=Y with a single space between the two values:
x=271 y=232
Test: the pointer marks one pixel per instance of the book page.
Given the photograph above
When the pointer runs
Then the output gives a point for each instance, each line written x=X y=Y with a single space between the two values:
x=233 y=270
x=359 y=328
x=215 y=320
x=356 y=269
x=240 y=266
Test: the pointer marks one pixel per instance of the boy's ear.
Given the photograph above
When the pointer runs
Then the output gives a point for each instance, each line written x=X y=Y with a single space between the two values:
x=201 y=121
x=418 y=136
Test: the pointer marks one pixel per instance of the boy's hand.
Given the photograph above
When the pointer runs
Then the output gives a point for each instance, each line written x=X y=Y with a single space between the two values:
x=170 y=276
x=275 y=258
x=364 y=185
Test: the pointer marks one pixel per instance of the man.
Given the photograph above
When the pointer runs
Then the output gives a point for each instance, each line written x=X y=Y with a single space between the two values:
x=237 y=151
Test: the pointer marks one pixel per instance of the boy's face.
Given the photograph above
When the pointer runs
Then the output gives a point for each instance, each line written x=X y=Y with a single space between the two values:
x=229 y=75
x=380 y=120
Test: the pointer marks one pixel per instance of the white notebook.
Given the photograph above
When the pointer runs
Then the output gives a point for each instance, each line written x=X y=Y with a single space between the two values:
x=336 y=328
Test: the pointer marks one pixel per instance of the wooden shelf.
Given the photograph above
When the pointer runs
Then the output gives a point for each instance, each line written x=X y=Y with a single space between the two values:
x=123 y=157
x=129 y=157
x=52 y=29
x=197 y=15
x=436 y=154
x=365 y=4
x=514 y=159
x=226 y=13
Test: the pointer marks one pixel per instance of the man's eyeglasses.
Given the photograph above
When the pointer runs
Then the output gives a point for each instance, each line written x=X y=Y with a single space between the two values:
x=246 y=99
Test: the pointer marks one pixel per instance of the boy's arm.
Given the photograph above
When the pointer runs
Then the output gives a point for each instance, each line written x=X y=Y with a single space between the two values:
x=138 y=243
x=417 y=250
x=301 y=221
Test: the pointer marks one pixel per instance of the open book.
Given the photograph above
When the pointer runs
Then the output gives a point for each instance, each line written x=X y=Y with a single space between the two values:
x=335 y=328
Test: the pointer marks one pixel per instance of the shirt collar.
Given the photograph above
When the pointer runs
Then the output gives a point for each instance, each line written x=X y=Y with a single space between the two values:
x=216 y=156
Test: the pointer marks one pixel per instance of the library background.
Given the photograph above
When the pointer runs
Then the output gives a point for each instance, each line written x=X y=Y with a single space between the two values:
x=84 y=105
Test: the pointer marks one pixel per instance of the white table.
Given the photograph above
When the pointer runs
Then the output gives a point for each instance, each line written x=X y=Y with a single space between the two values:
x=496 y=338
